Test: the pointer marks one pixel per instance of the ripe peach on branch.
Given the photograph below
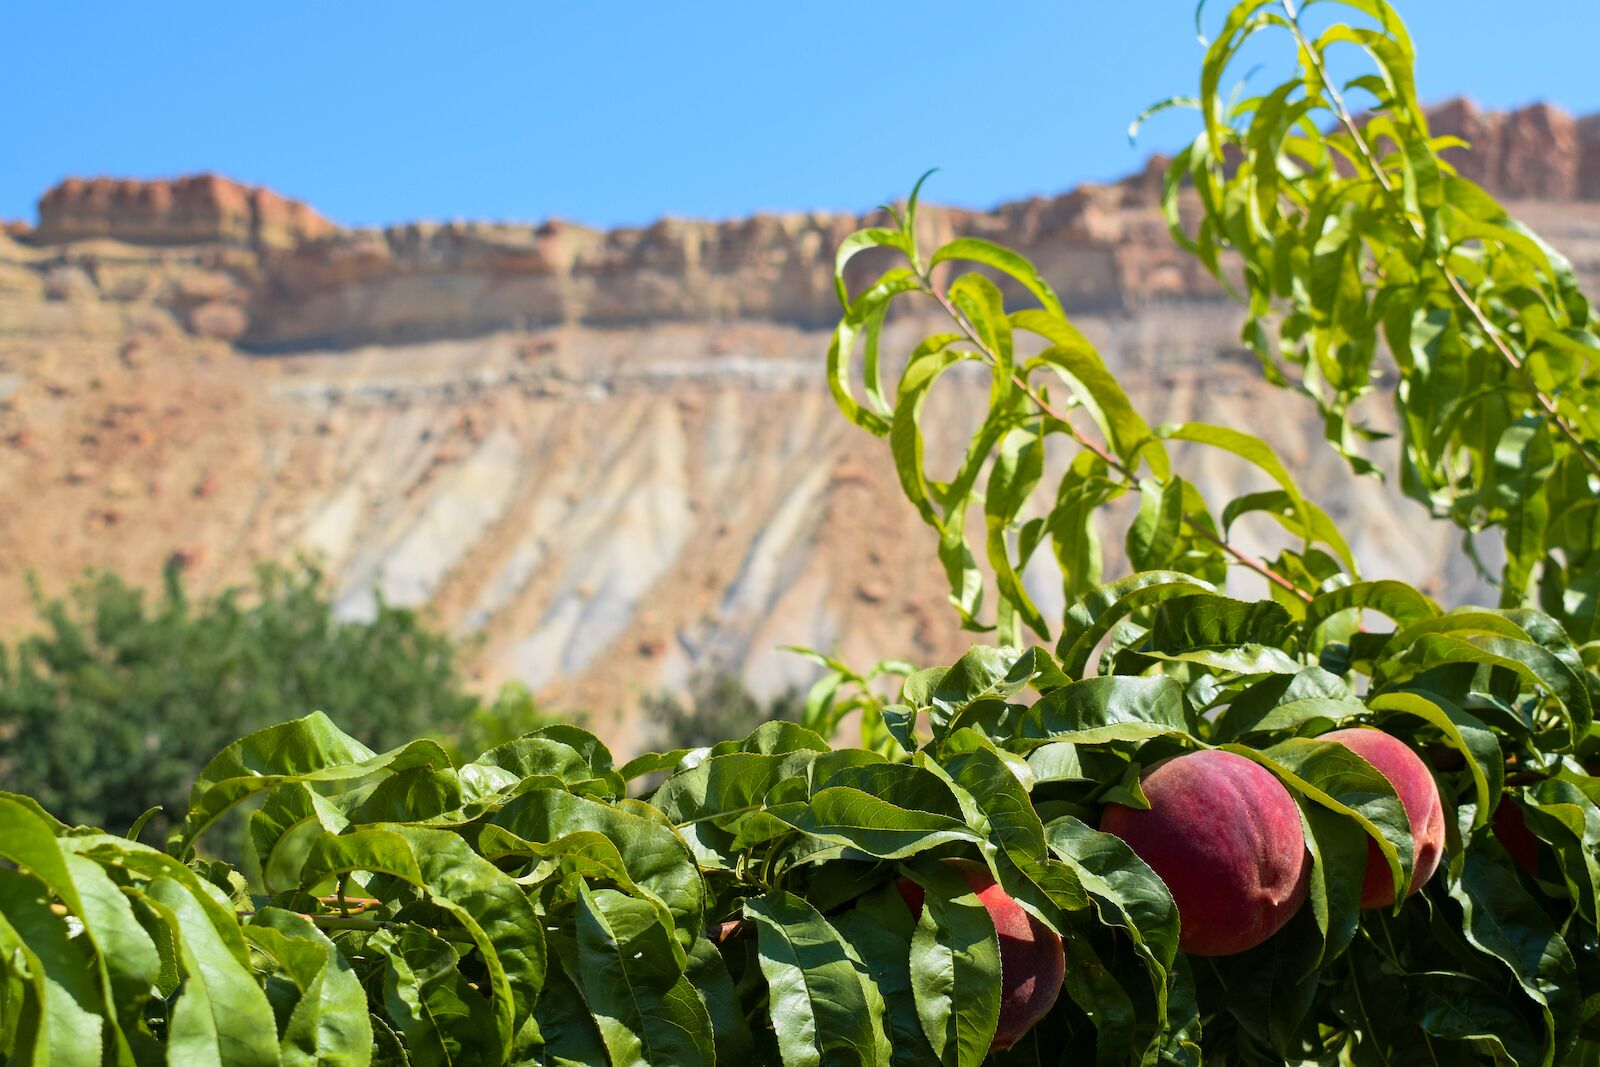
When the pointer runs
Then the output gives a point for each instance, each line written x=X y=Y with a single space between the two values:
x=1032 y=963
x=1225 y=836
x=1419 y=795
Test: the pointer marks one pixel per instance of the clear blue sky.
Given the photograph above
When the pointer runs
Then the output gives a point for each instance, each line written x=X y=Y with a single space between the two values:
x=616 y=113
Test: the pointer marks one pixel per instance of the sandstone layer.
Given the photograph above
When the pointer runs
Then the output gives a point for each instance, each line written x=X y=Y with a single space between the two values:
x=610 y=456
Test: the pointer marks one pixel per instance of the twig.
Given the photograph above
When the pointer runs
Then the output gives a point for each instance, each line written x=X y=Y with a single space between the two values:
x=1100 y=450
x=1347 y=120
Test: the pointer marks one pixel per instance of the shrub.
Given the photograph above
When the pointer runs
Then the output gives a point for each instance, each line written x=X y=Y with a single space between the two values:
x=119 y=698
x=715 y=706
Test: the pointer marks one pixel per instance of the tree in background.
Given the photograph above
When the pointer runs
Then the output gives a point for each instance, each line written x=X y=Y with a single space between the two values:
x=715 y=707
x=120 y=697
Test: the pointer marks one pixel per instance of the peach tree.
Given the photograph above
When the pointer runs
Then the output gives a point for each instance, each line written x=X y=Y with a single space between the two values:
x=1337 y=823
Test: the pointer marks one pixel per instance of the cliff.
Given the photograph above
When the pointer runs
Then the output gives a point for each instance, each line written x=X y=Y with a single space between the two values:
x=609 y=456
x=204 y=209
x=314 y=285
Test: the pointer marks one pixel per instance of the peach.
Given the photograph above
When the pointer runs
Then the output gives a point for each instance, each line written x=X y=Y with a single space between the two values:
x=1511 y=830
x=1225 y=836
x=1419 y=795
x=1032 y=964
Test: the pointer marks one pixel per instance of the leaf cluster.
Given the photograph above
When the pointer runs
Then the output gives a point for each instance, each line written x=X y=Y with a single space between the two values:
x=1352 y=236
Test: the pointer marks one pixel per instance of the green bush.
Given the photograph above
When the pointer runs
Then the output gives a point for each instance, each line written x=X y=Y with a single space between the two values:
x=111 y=707
x=714 y=707
x=1174 y=801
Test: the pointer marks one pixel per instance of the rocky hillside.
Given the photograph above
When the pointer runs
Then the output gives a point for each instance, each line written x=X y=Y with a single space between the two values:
x=609 y=454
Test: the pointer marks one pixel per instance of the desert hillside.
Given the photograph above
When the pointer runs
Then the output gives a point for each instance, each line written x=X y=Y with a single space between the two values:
x=611 y=455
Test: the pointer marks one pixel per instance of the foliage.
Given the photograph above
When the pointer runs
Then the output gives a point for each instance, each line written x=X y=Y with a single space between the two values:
x=1350 y=231
x=514 y=711
x=715 y=706
x=110 y=708
x=522 y=907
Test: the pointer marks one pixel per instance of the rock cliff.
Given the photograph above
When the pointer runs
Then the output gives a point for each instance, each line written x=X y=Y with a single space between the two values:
x=609 y=455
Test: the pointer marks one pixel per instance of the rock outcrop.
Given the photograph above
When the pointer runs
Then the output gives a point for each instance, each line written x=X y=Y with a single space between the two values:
x=611 y=457
x=1534 y=153
x=318 y=286
x=203 y=209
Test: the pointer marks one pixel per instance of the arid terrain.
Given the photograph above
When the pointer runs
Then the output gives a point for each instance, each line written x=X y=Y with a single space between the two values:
x=609 y=455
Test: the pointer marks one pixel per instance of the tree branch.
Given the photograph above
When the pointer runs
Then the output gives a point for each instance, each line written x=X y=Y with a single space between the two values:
x=1105 y=454
x=1347 y=120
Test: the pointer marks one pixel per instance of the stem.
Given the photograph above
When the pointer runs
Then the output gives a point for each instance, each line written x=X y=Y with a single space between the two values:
x=1361 y=1003
x=1100 y=450
x=1552 y=412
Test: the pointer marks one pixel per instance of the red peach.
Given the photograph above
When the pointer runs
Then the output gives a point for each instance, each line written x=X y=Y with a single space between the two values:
x=1511 y=830
x=1032 y=963
x=1419 y=796
x=1225 y=836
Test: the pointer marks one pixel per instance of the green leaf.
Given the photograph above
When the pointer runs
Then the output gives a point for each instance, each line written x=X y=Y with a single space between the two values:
x=571 y=1038
x=1073 y=359
x=1256 y=452
x=1397 y=600
x=1106 y=709
x=826 y=1008
x=1333 y=776
x=1503 y=921
x=488 y=904
x=311 y=749
x=708 y=973
x=1339 y=851
x=1565 y=816
x=1544 y=669
x=652 y=763
x=955 y=966
x=533 y=755
x=657 y=859
x=1089 y=620
x=285 y=827
x=879 y=929
x=989 y=254
x=1154 y=533
x=863 y=317
x=1280 y=506
x=73 y=1012
x=633 y=980
x=329 y=1026
x=860 y=241
x=1462 y=1008
x=132 y=964
x=1019 y=856
x=846 y=816
x=444 y=1020
x=1127 y=894
x=1463 y=732
x=221 y=1015
x=1272 y=987
x=1287 y=703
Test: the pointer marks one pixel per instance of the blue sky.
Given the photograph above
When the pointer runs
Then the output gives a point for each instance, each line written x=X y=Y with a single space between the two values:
x=621 y=112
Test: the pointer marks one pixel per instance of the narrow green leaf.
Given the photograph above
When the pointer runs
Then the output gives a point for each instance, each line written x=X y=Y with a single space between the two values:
x=633 y=980
x=955 y=967
x=826 y=1009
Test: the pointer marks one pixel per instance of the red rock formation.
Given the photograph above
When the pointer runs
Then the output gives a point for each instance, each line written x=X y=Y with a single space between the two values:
x=309 y=283
x=204 y=209
x=1535 y=152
